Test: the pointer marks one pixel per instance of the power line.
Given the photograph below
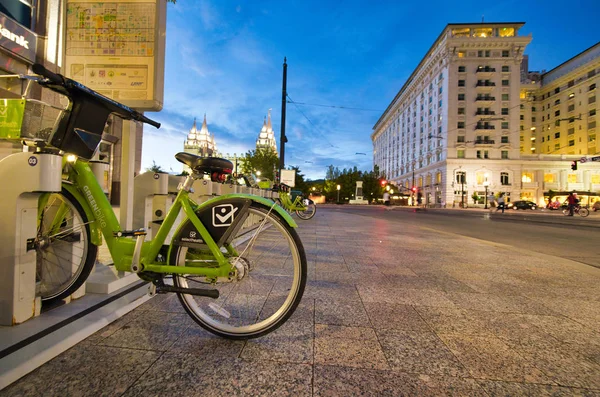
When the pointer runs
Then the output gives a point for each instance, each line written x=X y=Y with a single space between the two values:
x=334 y=106
x=311 y=123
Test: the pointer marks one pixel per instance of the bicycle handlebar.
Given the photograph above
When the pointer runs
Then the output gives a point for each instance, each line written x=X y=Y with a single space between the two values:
x=72 y=85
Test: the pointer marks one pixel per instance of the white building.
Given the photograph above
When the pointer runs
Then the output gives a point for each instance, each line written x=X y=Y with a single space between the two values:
x=266 y=137
x=457 y=125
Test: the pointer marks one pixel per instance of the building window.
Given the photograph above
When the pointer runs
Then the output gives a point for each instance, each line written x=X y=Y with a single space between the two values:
x=506 y=68
x=505 y=125
x=592 y=112
x=440 y=90
x=479 y=154
x=556 y=135
x=505 y=83
x=482 y=54
x=557 y=123
x=522 y=117
x=486 y=154
x=571 y=108
x=591 y=124
x=461 y=83
x=461 y=110
x=572 y=142
x=572 y=178
x=461 y=97
x=505 y=97
x=571 y=131
x=556 y=146
x=504 y=111
x=571 y=83
x=505 y=53
x=527 y=177
x=592 y=87
x=460 y=154
x=504 y=179
x=460 y=139
x=504 y=154
x=591 y=73
x=504 y=139
x=533 y=108
x=557 y=90
x=592 y=99
x=533 y=119
x=549 y=178
x=462 y=69
x=462 y=54
x=557 y=113
x=460 y=124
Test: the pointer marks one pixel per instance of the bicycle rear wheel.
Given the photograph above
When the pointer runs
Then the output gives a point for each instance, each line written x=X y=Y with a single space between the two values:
x=64 y=254
x=271 y=268
x=308 y=212
x=584 y=212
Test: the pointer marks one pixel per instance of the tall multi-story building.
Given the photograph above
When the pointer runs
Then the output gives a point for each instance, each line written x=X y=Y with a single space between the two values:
x=459 y=125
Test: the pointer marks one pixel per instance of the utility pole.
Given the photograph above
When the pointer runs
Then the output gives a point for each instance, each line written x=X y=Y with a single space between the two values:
x=282 y=137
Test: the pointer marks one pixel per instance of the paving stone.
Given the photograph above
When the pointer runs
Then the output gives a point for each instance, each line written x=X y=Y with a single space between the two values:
x=85 y=370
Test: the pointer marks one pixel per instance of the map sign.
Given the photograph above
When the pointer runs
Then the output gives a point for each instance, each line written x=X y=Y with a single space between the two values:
x=117 y=49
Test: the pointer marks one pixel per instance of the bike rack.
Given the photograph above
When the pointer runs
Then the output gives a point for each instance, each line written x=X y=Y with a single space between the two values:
x=25 y=177
x=153 y=200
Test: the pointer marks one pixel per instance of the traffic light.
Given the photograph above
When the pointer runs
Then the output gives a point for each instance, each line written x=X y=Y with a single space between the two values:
x=574 y=165
x=414 y=189
x=383 y=183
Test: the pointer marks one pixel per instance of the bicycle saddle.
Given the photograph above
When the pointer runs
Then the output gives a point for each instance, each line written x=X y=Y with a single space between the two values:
x=218 y=168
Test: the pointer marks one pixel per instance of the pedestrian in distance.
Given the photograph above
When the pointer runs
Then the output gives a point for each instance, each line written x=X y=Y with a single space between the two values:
x=501 y=203
x=572 y=200
x=386 y=198
x=492 y=200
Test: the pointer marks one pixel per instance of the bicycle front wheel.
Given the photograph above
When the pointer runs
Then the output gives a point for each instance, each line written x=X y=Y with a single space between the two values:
x=584 y=212
x=64 y=253
x=308 y=212
x=271 y=276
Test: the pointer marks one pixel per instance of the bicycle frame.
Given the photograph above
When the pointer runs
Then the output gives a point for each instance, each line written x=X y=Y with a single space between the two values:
x=82 y=184
x=296 y=205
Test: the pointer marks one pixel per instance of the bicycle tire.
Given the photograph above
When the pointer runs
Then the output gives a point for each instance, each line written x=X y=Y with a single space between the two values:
x=309 y=211
x=275 y=269
x=584 y=212
x=565 y=212
x=64 y=254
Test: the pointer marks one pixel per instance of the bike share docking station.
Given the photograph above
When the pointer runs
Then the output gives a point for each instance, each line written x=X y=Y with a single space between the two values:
x=25 y=176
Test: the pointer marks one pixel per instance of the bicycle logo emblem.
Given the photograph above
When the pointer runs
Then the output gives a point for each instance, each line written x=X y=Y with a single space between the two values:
x=223 y=215
x=156 y=176
x=192 y=234
x=32 y=161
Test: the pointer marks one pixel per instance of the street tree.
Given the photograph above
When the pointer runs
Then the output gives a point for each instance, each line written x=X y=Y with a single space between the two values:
x=264 y=160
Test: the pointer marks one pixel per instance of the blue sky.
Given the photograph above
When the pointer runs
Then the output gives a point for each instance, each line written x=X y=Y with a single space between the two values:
x=224 y=58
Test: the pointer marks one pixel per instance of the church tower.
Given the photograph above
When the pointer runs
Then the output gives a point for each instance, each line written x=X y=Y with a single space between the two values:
x=200 y=143
x=266 y=137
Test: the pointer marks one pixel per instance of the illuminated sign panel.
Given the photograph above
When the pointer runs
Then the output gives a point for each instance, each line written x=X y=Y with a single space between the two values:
x=17 y=39
x=117 y=49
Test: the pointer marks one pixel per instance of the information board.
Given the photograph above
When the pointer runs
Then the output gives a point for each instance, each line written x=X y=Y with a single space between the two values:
x=118 y=49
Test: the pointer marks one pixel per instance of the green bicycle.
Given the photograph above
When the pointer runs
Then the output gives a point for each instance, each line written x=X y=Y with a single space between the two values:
x=303 y=207
x=236 y=261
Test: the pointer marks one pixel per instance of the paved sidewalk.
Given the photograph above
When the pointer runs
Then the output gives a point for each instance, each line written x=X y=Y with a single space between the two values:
x=389 y=310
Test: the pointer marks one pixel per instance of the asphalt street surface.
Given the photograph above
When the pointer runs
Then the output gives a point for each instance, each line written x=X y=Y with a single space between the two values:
x=520 y=229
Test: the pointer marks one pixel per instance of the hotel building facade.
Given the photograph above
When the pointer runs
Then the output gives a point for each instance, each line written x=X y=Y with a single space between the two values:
x=469 y=120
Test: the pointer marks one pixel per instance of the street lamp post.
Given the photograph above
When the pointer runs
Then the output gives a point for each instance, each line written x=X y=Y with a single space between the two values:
x=486 y=185
x=338 y=197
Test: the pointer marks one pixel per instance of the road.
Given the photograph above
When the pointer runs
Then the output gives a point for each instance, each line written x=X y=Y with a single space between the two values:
x=574 y=242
